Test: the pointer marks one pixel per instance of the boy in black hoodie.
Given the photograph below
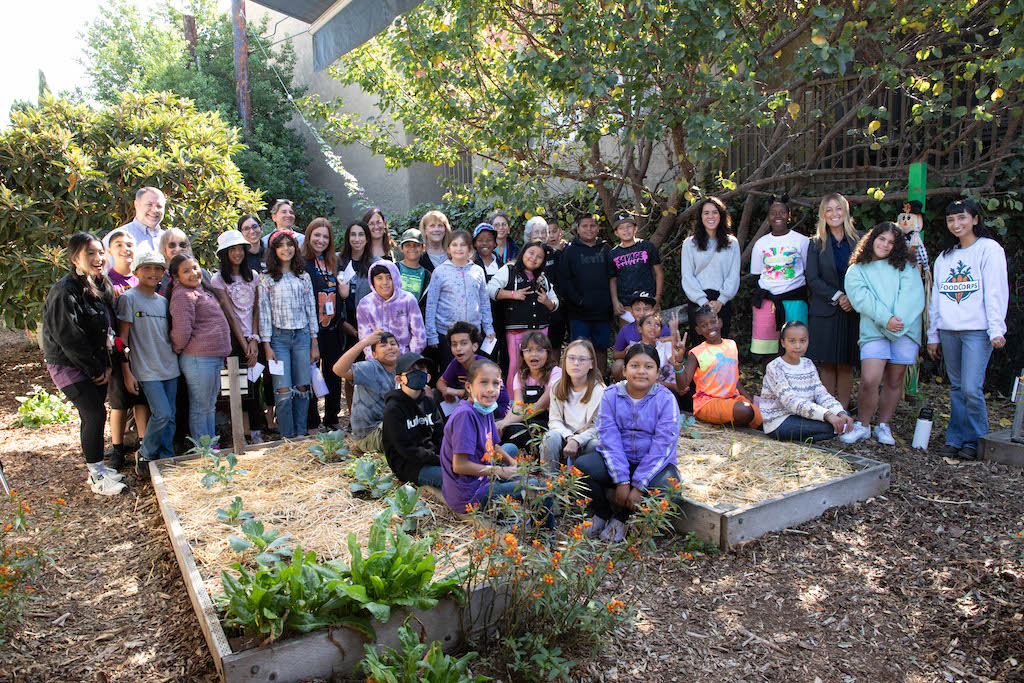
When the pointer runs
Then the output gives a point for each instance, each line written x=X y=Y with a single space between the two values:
x=583 y=282
x=412 y=425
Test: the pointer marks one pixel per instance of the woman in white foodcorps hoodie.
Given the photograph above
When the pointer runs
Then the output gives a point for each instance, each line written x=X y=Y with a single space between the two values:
x=390 y=308
x=967 y=319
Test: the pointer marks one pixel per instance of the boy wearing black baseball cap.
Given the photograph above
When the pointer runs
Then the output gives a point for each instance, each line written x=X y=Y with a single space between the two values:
x=412 y=427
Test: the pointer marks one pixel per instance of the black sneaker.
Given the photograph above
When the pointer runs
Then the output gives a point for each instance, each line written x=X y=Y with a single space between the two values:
x=949 y=451
x=969 y=453
x=142 y=467
x=116 y=459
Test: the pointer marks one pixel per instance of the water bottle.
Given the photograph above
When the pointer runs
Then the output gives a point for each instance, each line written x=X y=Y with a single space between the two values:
x=923 y=429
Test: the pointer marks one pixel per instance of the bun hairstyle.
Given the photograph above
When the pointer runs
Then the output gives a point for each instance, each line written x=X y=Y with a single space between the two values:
x=970 y=207
x=640 y=348
x=781 y=199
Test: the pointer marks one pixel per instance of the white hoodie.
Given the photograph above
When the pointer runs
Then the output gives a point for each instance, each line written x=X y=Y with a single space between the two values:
x=970 y=290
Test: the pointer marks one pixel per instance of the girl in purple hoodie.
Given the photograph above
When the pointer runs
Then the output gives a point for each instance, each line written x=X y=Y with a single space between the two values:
x=390 y=308
x=638 y=427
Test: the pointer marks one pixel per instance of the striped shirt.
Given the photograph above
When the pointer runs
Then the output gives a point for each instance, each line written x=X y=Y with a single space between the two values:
x=287 y=304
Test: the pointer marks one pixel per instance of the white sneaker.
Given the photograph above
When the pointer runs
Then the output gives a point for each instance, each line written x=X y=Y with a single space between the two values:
x=105 y=486
x=884 y=435
x=858 y=432
x=614 y=532
x=596 y=526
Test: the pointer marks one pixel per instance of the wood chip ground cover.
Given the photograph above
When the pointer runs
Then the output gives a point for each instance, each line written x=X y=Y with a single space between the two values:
x=923 y=584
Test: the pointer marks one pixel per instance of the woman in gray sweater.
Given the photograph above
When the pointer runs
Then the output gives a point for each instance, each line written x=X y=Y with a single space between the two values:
x=710 y=264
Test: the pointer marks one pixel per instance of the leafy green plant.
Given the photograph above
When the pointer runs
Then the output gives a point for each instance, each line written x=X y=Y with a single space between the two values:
x=688 y=427
x=405 y=503
x=329 y=446
x=223 y=468
x=394 y=572
x=416 y=662
x=533 y=661
x=366 y=479
x=234 y=514
x=41 y=407
x=295 y=597
x=269 y=543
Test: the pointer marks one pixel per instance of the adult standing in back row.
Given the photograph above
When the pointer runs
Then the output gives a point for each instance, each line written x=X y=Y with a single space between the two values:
x=709 y=264
x=583 y=279
x=145 y=227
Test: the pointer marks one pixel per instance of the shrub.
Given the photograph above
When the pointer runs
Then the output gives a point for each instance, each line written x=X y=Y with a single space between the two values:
x=42 y=408
x=67 y=167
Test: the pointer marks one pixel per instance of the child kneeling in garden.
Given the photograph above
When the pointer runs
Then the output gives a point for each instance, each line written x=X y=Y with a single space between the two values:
x=715 y=367
x=638 y=427
x=795 y=405
x=474 y=469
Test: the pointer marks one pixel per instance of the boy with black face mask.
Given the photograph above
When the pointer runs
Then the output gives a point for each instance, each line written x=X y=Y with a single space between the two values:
x=412 y=426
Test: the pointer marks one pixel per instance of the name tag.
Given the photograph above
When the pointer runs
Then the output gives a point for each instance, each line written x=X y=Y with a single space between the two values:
x=328 y=308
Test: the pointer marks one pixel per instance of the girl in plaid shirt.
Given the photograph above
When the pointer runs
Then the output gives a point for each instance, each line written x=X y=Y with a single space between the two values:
x=288 y=330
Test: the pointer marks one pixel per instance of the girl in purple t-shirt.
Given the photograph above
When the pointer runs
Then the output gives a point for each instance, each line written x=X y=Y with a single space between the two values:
x=474 y=468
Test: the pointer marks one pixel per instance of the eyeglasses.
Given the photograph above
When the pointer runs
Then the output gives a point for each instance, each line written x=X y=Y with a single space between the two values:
x=534 y=352
x=250 y=228
x=180 y=245
x=578 y=360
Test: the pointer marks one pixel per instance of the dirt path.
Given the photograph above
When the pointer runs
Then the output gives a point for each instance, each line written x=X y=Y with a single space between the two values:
x=923 y=584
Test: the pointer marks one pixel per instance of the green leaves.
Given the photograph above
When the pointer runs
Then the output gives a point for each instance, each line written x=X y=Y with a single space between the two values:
x=367 y=482
x=41 y=407
x=330 y=447
x=416 y=662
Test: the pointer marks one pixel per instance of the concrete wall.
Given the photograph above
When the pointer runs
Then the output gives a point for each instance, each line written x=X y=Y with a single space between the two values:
x=394 y=191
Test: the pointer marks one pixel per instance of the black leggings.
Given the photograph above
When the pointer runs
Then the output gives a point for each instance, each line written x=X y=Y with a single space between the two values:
x=332 y=346
x=88 y=398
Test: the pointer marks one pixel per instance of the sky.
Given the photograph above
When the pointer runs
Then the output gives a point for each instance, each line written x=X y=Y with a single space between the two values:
x=43 y=34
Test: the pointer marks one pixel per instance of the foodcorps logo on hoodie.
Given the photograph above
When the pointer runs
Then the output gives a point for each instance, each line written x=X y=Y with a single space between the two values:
x=959 y=285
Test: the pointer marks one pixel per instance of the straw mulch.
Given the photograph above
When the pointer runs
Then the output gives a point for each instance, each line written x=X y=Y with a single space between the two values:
x=740 y=469
x=288 y=489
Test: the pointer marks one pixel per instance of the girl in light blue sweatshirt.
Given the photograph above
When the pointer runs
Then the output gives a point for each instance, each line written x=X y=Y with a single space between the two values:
x=884 y=286
x=457 y=291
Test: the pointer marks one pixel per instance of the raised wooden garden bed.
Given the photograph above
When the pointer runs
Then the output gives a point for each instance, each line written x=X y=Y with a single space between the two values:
x=788 y=484
x=321 y=654
x=1000 y=447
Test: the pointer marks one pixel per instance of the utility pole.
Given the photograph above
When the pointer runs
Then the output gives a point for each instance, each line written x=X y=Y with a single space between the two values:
x=241 y=54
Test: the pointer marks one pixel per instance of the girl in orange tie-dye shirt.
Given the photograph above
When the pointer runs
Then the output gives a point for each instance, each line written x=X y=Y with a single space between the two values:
x=715 y=369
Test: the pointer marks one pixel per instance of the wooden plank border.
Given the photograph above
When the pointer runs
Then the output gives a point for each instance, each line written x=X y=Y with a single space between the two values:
x=1000 y=447
x=726 y=525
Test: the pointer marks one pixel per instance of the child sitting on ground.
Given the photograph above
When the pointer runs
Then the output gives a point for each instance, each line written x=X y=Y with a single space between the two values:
x=651 y=327
x=465 y=339
x=715 y=367
x=795 y=405
x=643 y=303
x=474 y=470
x=373 y=380
x=411 y=426
x=638 y=427
x=531 y=388
x=576 y=396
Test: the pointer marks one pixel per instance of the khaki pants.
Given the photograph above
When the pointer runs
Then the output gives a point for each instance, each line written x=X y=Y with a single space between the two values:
x=371 y=443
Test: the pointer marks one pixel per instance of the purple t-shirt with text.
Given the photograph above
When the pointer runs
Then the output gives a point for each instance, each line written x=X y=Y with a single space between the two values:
x=474 y=435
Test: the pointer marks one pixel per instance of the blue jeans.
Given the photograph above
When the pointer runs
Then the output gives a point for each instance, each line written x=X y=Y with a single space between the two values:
x=202 y=375
x=598 y=480
x=966 y=354
x=598 y=332
x=159 y=439
x=797 y=428
x=291 y=348
x=430 y=475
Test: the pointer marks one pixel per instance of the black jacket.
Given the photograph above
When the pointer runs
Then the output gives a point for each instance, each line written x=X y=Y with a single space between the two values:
x=823 y=280
x=75 y=327
x=411 y=430
x=583 y=281
x=528 y=314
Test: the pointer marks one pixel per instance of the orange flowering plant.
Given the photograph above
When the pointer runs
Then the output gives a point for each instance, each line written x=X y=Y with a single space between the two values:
x=21 y=555
x=557 y=586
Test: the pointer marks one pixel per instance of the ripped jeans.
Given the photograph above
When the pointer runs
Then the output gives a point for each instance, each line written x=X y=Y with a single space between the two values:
x=291 y=348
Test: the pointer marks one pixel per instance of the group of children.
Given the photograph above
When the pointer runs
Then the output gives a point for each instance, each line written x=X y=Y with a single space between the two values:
x=388 y=318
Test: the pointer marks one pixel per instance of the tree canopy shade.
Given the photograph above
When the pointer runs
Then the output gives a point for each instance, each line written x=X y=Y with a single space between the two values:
x=66 y=168
x=127 y=50
x=650 y=103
